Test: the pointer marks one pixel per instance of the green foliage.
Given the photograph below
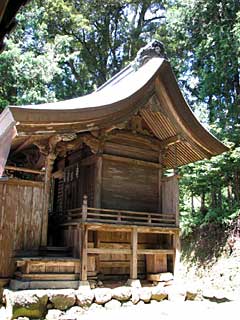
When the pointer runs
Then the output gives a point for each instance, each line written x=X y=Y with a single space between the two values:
x=207 y=34
x=63 y=49
x=204 y=48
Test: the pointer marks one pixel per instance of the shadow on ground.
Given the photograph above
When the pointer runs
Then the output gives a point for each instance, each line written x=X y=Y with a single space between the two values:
x=205 y=245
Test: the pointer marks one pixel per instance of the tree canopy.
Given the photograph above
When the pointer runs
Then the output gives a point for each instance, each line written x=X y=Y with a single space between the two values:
x=66 y=48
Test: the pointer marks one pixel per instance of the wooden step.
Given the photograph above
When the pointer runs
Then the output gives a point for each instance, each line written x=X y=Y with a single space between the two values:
x=51 y=251
x=48 y=265
x=46 y=276
x=4 y=282
x=51 y=276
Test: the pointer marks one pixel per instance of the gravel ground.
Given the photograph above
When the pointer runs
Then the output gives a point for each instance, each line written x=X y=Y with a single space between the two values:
x=171 y=310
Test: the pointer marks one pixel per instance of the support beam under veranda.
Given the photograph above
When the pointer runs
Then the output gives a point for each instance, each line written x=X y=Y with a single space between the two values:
x=134 y=260
x=177 y=250
x=84 y=252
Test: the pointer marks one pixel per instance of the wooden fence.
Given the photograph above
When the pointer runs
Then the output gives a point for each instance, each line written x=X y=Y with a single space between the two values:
x=21 y=207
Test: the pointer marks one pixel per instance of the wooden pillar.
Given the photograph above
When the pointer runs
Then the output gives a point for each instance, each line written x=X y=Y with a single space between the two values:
x=134 y=261
x=69 y=236
x=79 y=241
x=98 y=182
x=160 y=175
x=50 y=158
x=84 y=208
x=96 y=239
x=177 y=199
x=84 y=248
x=98 y=201
x=176 y=257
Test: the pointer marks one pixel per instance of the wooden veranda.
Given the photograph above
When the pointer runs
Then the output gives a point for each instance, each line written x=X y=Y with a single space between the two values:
x=97 y=220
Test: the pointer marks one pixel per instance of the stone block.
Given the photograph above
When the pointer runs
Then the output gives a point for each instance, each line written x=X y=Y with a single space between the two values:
x=113 y=304
x=31 y=304
x=122 y=293
x=84 y=297
x=159 y=293
x=62 y=299
x=102 y=295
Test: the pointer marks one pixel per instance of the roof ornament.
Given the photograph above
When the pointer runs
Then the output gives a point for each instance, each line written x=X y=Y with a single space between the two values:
x=153 y=49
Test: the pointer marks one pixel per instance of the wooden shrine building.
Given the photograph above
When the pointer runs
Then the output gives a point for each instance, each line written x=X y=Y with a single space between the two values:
x=89 y=186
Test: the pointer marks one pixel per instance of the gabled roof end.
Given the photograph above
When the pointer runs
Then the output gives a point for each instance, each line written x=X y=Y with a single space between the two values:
x=153 y=49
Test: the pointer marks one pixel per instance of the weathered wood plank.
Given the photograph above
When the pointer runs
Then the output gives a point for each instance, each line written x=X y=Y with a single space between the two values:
x=21 y=169
x=156 y=263
x=20 y=220
x=46 y=276
x=109 y=251
x=97 y=243
x=30 y=183
x=49 y=161
x=133 y=259
x=160 y=174
x=156 y=251
x=131 y=161
x=84 y=254
x=129 y=187
x=98 y=182
x=177 y=248
x=120 y=264
x=170 y=197
x=141 y=229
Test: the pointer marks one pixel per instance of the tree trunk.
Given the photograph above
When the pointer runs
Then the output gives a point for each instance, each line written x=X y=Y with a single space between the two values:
x=192 y=204
x=220 y=198
x=202 y=208
x=236 y=189
x=214 y=200
x=229 y=193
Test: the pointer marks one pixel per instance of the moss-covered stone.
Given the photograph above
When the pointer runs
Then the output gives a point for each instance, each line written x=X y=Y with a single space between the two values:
x=62 y=299
x=31 y=304
x=159 y=293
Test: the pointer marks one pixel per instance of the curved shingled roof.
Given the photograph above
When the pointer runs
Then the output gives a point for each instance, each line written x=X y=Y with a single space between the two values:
x=149 y=90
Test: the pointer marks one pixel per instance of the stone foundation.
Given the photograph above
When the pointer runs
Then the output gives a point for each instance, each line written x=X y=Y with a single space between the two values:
x=71 y=304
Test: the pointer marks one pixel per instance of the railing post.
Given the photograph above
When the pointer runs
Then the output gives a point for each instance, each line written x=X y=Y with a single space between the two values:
x=119 y=216
x=149 y=218
x=69 y=217
x=84 y=208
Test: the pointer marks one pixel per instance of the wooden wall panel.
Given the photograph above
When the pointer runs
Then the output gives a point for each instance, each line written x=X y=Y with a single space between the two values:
x=21 y=205
x=129 y=187
x=134 y=151
x=119 y=264
x=79 y=180
x=170 y=195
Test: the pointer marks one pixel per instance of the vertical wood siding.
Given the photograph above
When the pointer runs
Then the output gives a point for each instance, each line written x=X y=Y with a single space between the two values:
x=170 y=195
x=21 y=204
x=129 y=187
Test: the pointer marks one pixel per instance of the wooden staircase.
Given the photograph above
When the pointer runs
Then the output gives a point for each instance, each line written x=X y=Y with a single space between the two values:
x=54 y=267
